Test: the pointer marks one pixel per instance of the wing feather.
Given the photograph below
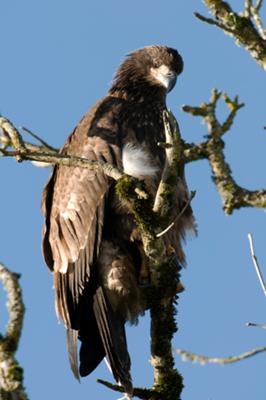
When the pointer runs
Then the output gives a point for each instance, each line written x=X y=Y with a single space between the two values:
x=74 y=207
x=74 y=204
x=112 y=331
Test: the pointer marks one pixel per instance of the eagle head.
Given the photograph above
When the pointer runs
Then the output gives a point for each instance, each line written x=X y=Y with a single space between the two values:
x=148 y=70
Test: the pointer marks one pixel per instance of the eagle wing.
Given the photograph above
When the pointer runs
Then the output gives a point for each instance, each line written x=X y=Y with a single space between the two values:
x=73 y=203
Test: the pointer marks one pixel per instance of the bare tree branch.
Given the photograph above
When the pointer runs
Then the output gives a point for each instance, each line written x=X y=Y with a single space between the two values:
x=186 y=355
x=191 y=197
x=256 y=264
x=263 y=326
x=11 y=374
x=233 y=195
x=46 y=153
x=211 y=21
x=13 y=135
x=240 y=26
x=40 y=140
x=141 y=393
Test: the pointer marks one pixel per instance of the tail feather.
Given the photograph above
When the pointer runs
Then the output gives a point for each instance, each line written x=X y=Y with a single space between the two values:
x=112 y=332
x=72 y=339
x=102 y=334
x=91 y=350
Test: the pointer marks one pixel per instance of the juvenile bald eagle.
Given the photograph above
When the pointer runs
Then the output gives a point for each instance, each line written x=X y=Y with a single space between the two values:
x=90 y=240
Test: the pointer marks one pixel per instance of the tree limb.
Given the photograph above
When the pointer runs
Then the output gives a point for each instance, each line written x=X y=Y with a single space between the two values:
x=47 y=154
x=263 y=326
x=11 y=374
x=186 y=355
x=43 y=143
x=256 y=264
x=233 y=195
x=141 y=393
x=240 y=26
x=13 y=135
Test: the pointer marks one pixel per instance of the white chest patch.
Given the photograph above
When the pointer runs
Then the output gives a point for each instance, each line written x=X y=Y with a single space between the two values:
x=137 y=162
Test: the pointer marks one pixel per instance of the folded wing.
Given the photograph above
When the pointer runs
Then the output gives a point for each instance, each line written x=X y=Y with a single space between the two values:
x=74 y=204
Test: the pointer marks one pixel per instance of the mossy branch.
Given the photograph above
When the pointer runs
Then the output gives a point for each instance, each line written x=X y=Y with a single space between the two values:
x=168 y=382
x=246 y=27
x=11 y=374
x=150 y=215
x=212 y=149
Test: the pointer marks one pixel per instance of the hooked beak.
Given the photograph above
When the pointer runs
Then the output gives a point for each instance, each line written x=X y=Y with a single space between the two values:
x=171 y=79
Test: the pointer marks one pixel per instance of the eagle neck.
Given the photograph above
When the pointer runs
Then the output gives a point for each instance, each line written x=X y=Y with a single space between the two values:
x=143 y=93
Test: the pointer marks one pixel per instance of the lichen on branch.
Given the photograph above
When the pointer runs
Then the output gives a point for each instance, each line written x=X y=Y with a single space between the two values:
x=11 y=374
x=13 y=145
x=246 y=27
x=233 y=195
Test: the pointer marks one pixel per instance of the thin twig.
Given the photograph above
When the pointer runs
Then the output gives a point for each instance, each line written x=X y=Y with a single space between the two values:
x=137 y=392
x=40 y=140
x=186 y=355
x=248 y=6
x=258 y=22
x=263 y=326
x=256 y=264
x=213 y=22
x=191 y=197
x=258 y=5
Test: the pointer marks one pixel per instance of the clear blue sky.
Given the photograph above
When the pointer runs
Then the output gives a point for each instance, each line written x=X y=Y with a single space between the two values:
x=57 y=59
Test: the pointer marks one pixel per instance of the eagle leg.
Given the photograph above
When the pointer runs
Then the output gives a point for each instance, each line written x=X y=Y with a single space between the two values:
x=119 y=274
x=144 y=278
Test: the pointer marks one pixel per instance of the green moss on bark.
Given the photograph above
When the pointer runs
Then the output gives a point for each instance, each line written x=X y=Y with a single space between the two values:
x=140 y=205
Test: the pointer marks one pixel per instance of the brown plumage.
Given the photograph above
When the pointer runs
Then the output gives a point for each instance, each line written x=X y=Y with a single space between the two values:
x=90 y=241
